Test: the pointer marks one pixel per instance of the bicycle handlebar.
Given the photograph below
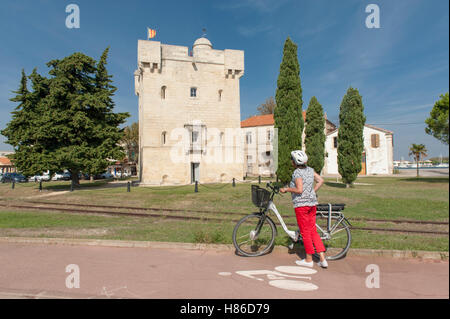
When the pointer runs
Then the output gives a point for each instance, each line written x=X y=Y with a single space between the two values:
x=274 y=188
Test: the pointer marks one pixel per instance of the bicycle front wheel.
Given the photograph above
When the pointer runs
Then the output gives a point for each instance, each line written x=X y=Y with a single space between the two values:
x=254 y=235
x=337 y=241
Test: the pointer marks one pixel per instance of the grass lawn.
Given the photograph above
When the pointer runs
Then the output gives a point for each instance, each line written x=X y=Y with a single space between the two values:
x=372 y=197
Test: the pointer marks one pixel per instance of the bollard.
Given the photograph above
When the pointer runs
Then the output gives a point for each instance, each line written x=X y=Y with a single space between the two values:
x=40 y=186
x=71 y=186
x=13 y=184
x=234 y=182
x=196 y=187
x=128 y=187
x=259 y=179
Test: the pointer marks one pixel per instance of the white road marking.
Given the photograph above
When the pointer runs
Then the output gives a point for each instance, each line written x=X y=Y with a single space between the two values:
x=296 y=285
x=296 y=270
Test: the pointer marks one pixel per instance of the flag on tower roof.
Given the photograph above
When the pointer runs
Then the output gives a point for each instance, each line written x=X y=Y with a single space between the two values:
x=151 y=33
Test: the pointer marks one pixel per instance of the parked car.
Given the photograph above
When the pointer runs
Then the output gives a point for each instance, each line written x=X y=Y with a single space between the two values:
x=38 y=178
x=107 y=175
x=13 y=177
x=61 y=176
x=58 y=176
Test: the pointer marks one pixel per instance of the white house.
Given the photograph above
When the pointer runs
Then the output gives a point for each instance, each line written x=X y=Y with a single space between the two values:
x=259 y=146
x=377 y=157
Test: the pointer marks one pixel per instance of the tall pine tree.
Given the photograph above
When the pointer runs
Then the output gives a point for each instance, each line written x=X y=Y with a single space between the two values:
x=288 y=113
x=350 y=136
x=71 y=120
x=315 y=135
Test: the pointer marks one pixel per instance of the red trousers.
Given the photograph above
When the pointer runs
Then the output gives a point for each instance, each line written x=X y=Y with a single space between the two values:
x=306 y=219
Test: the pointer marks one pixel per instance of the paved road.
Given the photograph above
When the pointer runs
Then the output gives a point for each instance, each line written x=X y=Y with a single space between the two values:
x=426 y=172
x=39 y=271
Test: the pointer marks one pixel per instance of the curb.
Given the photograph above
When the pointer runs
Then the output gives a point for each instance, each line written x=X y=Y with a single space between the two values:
x=399 y=254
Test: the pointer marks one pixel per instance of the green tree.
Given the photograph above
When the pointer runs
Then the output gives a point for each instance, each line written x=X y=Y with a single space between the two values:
x=418 y=151
x=71 y=124
x=268 y=107
x=438 y=120
x=350 y=136
x=288 y=113
x=315 y=135
x=130 y=141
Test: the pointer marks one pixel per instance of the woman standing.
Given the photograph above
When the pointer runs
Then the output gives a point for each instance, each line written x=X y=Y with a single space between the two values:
x=305 y=200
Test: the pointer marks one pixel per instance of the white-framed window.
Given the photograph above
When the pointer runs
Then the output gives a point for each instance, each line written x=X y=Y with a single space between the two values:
x=248 y=138
x=194 y=136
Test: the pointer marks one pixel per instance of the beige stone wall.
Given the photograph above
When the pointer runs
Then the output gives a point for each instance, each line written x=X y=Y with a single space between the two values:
x=209 y=71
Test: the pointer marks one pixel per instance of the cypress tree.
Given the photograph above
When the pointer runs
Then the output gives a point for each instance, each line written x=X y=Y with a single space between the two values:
x=288 y=113
x=314 y=135
x=350 y=136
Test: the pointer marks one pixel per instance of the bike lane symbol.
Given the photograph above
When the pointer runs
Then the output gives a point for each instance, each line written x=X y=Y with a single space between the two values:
x=283 y=277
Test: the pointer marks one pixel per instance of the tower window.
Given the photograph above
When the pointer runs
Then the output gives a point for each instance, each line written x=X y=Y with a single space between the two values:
x=163 y=138
x=163 y=92
x=193 y=92
x=220 y=95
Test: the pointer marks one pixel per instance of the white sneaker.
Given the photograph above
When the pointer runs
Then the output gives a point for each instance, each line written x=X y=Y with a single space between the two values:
x=323 y=264
x=303 y=262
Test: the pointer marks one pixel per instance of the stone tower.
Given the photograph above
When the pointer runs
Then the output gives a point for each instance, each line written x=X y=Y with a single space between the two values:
x=189 y=110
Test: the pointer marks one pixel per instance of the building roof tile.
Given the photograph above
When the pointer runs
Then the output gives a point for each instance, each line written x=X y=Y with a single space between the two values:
x=5 y=161
x=262 y=120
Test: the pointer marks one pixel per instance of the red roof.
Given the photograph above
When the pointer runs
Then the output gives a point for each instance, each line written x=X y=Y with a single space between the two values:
x=5 y=161
x=262 y=120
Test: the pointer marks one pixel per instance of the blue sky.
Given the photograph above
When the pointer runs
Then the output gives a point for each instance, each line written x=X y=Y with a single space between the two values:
x=400 y=69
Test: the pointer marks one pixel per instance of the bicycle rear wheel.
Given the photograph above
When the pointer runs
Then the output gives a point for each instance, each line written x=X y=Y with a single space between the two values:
x=337 y=241
x=254 y=235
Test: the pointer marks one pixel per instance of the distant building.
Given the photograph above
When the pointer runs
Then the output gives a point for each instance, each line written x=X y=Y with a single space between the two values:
x=258 y=133
x=377 y=157
x=258 y=144
x=5 y=164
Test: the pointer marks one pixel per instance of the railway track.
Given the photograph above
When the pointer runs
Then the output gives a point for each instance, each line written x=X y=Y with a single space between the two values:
x=147 y=212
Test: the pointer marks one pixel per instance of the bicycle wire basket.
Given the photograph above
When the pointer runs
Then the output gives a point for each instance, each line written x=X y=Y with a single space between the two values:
x=260 y=196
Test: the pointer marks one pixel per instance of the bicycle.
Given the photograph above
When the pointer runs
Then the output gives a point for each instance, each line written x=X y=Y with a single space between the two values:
x=251 y=241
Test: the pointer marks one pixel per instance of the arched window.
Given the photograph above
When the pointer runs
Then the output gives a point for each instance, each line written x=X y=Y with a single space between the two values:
x=163 y=92
x=220 y=95
x=163 y=138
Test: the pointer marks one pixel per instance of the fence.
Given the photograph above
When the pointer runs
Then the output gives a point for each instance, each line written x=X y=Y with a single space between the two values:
x=128 y=185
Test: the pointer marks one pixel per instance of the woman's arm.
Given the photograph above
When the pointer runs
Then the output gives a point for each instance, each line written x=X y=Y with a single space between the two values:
x=319 y=181
x=298 y=187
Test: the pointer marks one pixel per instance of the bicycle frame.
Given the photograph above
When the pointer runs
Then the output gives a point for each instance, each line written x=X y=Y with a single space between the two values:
x=274 y=209
x=330 y=228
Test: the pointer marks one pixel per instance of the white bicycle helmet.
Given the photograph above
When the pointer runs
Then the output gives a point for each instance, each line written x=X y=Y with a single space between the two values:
x=299 y=157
